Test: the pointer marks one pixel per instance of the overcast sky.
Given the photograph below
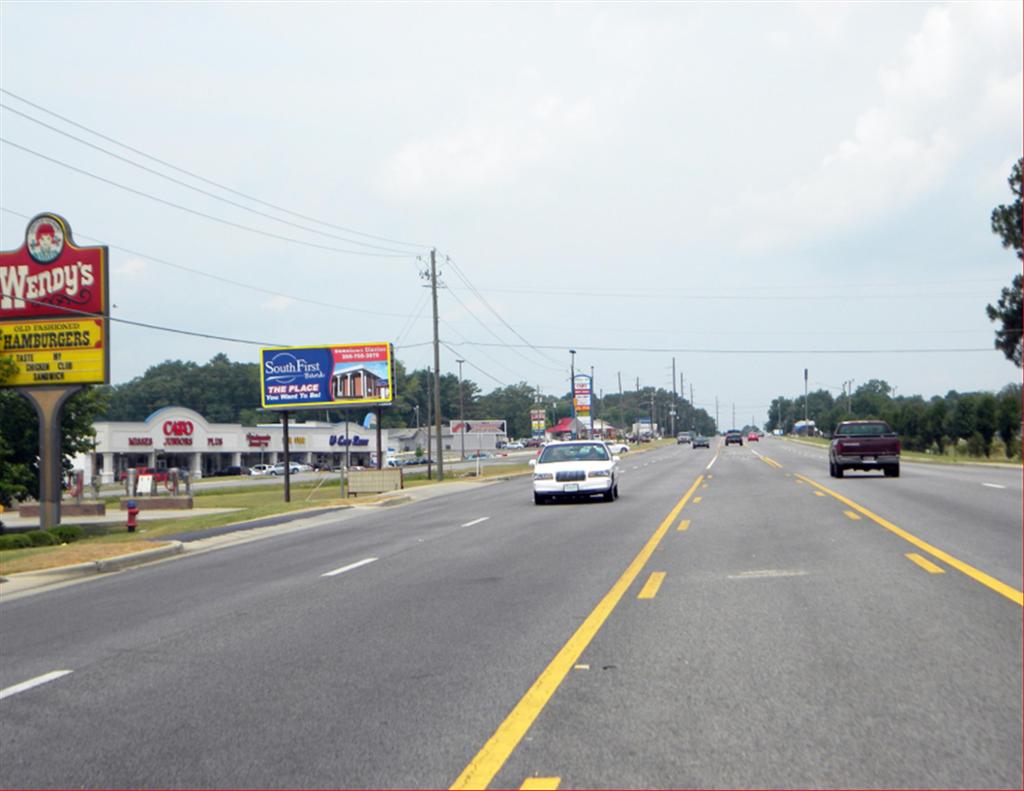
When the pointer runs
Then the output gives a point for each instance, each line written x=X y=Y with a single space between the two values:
x=751 y=189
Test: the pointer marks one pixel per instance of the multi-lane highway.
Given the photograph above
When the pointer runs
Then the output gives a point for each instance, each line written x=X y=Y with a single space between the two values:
x=736 y=619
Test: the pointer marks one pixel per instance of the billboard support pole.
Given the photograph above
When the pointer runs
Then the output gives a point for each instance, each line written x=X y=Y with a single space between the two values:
x=49 y=404
x=380 y=460
x=287 y=461
x=437 y=368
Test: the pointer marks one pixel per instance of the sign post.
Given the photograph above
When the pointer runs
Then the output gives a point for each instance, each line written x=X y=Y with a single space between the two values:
x=54 y=329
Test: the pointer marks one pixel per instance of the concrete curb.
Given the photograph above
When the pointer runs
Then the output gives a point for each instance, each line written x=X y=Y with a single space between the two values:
x=46 y=576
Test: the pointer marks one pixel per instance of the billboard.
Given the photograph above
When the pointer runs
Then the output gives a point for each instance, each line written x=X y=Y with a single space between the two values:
x=53 y=308
x=55 y=351
x=297 y=377
x=478 y=427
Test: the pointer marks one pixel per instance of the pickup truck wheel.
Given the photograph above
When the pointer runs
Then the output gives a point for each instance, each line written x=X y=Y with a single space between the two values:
x=831 y=469
x=839 y=471
x=892 y=471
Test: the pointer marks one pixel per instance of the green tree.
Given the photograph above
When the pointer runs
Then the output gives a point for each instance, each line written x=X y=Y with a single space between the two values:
x=1007 y=224
x=1008 y=417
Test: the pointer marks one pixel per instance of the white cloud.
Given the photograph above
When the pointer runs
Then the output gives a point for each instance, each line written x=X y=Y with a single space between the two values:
x=131 y=268
x=278 y=304
x=951 y=85
x=485 y=154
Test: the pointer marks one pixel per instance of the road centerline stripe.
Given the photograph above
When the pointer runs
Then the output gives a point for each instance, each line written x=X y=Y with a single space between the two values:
x=924 y=563
x=852 y=515
x=650 y=588
x=33 y=682
x=540 y=784
x=496 y=751
x=349 y=567
x=977 y=575
x=476 y=521
x=684 y=525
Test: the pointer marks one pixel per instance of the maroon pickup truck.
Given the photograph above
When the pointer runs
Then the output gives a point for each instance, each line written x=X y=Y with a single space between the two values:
x=864 y=445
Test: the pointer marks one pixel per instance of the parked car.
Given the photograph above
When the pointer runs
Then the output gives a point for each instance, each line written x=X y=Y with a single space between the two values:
x=864 y=445
x=618 y=447
x=575 y=469
x=278 y=469
x=733 y=437
x=515 y=445
x=260 y=469
x=158 y=475
x=232 y=470
x=701 y=442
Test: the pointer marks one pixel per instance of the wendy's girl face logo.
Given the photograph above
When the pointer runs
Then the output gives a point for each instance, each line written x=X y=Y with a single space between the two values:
x=45 y=239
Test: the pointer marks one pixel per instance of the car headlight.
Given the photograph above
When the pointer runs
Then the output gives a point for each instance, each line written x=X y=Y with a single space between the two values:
x=599 y=474
x=543 y=476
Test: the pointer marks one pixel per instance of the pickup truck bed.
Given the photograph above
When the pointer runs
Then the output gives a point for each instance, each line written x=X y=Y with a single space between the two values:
x=864 y=445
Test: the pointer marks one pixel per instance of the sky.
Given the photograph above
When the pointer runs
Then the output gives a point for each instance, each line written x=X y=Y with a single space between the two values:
x=746 y=190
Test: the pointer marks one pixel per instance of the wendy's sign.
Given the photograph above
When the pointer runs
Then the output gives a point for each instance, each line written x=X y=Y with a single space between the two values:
x=49 y=276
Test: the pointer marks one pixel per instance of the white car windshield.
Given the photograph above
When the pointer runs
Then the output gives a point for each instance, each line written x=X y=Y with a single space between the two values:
x=582 y=452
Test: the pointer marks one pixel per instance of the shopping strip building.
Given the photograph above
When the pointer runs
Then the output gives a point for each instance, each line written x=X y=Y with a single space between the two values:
x=181 y=437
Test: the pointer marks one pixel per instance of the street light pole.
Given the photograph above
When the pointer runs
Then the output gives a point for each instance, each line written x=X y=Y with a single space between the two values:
x=462 y=413
x=572 y=389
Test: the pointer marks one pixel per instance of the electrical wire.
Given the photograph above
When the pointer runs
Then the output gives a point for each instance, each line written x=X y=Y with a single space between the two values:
x=250 y=229
x=741 y=351
x=199 y=190
x=474 y=365
x=222 y=279
x=201 y=178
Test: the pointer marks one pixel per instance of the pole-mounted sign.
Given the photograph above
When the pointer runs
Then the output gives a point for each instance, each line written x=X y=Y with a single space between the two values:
x=54 y=333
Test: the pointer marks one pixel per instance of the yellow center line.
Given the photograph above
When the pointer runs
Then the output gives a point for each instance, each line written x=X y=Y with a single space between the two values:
x=496 y=751
x=977 y=575
x=650 y=588
x=852 y=515
x=926 y=564
x=818 y=494
x=696 y=500
x=540 y=783
x=684 y=525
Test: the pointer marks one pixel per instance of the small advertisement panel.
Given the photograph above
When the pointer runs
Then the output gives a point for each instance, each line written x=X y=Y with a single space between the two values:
x=297 y=377
x=538 y=421
x=479 y=427
x=55 y=351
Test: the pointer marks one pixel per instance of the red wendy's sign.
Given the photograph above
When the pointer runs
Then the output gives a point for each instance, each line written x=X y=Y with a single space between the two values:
x=51 y=276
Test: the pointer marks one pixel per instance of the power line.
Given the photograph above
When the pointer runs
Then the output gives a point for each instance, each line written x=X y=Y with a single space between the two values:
x=690 y=297
x=207 y=193
x=222 y=279
x=201 y=178
x=250 y=229
x=741 y=351
x=473 y=365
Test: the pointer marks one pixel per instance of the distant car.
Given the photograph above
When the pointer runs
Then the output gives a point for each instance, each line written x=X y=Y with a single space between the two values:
x=575 y=469
x=684 y=438
x=515 y=446
x=752 y=437
x=278 y=469
x=478 y=455
x=701 y=442
x=618 y=447
x=733 y=437
x=260 y=469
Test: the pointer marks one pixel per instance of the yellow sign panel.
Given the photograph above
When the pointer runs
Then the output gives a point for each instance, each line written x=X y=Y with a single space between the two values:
x=55 y=351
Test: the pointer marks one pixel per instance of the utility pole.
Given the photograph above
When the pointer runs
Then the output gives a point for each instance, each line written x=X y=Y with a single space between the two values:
x=807 y=426
x=716 y=414
x=622 y=419
x=675 y=397
x=572 y=389
x=462 y=413
x=437 y=367
x=652 y=413
x=593 y=404
x=693 y=410
x=430 y=410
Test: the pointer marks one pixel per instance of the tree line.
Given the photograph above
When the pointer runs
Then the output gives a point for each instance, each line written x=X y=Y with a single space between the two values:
x=968 y=422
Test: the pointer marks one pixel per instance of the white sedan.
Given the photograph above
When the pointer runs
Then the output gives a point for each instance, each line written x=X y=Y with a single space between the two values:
x=618 y=447
x=577 y=469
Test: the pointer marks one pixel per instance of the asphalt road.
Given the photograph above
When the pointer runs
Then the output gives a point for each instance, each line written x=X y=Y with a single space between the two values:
x=476 y=639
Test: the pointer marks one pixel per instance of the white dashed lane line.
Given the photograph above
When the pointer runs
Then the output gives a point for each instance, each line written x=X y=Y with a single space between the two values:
x=476 y=521
x=349 y=567
x=993 y=485
x=33 y=682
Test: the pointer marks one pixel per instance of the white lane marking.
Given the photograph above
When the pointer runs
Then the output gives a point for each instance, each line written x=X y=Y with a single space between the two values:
x=32 y=682
x=349 y=567
x=476 y=521
x=993 y=485
x=712 y=462
x=766 y=573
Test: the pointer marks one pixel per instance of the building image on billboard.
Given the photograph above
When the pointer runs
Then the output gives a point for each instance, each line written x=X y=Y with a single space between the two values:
x=359 y=382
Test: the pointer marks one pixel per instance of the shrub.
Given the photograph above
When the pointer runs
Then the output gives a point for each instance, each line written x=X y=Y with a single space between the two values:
x=65 y=534
x=40 y=538
x=15 y=541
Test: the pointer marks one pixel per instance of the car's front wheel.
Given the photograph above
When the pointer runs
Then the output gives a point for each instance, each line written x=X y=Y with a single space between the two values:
x=539 y=499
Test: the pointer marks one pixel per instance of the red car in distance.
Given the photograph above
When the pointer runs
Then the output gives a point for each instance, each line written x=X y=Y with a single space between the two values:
x=752 y=437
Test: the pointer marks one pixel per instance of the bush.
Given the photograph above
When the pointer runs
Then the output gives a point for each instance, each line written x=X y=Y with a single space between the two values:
x=15 y=541
x=40 y=538
x=65 y=534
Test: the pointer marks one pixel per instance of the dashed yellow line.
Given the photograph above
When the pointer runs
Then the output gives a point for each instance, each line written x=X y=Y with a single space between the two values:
x=926 y=564
x=818 y=494
x=852 y=515
x=497 y=749
x=696 y=500
x=541 y=783
x=684 y=525
x=650 y=588
x=1011 y=593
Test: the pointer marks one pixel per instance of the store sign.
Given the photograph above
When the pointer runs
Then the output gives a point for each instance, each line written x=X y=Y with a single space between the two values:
x=55 y=351
x=538 y=421
x=258 y=440
x=356 y=440
x=48 y=289
x=323 y=376
x=479 y=427
x=214 y=442
x=582 y=388
x=143 y=441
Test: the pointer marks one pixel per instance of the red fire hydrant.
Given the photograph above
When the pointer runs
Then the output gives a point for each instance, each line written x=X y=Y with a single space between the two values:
x=133 y=515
